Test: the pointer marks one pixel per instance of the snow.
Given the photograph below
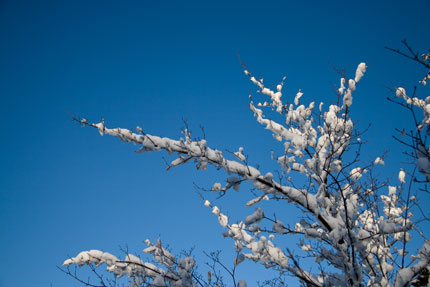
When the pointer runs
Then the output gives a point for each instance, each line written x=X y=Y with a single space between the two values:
x=400 y=92
x=423 y=162
x=257 y=200
x=215 y=210
x=342 y=86
x=100 y=126
x=351 y=85
x=223 y=220
x=379 y=160
x=216 y=186
x=356 y=173
x=306 y=247
x=402 y=175
x=361 y=69
x=135 y=268
x=239 y=154
x=343 y=211
x=297 y=98
x=279 y=227
x=387 y=227
x=254 y=217
x=347 y=99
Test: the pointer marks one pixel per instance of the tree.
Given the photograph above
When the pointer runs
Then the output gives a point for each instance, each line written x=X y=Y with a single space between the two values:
x=356 y=228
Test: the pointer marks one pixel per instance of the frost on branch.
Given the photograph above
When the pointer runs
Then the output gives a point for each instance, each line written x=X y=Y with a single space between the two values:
x=354 y=228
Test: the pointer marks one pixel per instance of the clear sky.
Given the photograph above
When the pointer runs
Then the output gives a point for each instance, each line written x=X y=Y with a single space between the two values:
x=153 y=63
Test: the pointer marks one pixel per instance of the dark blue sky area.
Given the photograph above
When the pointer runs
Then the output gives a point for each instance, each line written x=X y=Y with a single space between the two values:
x=153 y=63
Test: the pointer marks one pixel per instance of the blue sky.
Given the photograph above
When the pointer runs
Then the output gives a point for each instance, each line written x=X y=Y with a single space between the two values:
x=153 y=63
